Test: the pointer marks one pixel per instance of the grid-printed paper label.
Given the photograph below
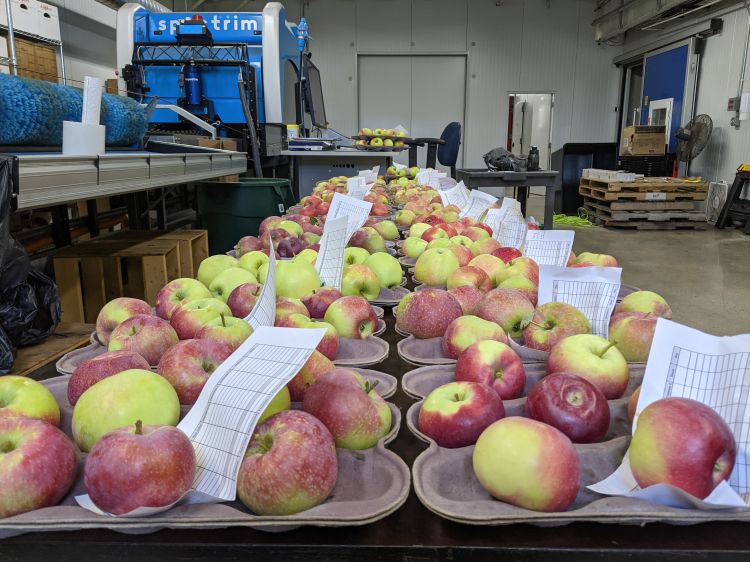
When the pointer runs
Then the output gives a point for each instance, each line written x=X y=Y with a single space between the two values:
x=549 y=247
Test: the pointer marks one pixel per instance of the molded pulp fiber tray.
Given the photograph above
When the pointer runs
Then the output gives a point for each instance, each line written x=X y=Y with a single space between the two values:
x=390 y=297
x=352 y=353
x=444 y=480
x=371 y=485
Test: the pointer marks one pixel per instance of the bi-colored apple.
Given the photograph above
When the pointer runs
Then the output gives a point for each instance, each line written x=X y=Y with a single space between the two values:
x=428 y=313
x=188 y=365
x=27 y=398
x=91 y=371
x=467 y=330
x=190 y=317
x=633 y=333
x=115 y=312
x=647 y=302
x=148 y=336
x=507 y=307
x=494 y=364
x=553 y=322
x=176 y=292
x=352 y=317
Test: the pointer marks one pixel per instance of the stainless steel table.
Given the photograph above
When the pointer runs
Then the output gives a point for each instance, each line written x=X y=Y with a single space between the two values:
x=311 y=166
x=495 y=183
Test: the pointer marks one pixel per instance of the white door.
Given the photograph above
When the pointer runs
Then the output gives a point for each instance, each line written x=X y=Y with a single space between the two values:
x=660 y=113
x=422 y=93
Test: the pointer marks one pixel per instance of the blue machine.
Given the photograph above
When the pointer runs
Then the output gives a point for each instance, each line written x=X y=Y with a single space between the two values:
x=194 y=61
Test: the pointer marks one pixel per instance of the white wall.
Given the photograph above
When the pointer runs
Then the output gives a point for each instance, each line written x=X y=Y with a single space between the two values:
x=717 y=82
x=89 y=48
x=531 y=46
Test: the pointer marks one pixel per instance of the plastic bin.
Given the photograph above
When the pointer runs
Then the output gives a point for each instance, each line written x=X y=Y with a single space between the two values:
x=231 y=210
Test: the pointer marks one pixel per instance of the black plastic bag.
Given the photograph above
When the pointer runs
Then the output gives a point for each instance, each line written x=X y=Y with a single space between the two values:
x=501 y=160
x=7 y=353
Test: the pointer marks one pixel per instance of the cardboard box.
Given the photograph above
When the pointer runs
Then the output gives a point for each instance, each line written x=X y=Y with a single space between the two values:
x=25 y=15
x=223 y=144
x=49 y=21
x=112 y=86
x=36 y=60
x=643 y=140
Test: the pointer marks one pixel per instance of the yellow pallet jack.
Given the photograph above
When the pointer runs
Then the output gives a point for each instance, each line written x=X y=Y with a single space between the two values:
x=736 y=210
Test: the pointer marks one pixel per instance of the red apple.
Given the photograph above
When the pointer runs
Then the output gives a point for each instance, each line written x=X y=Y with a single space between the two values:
x=571 y=404
x=319 y=300
x=286 y=306
x=553 y=322
x=148 y=336
x=484 y=227
x=27 y=398
x=468 y=297
x=242 y=299
x=266 y=224
x=507 y=253
x=470 y=275
x=37 y=465
x=429 y=313
x=466 y=330
x=463 y=254
x=314 y=368
x=491 y=265
x=494 y=364
x=507 y=307
x=139 y=466
x=684 y=443
x=484 y=246
x=290 y=465
x=248 y=244
x=352 y=317
x=188 y=365
x=350 y=408
x=455 y=414
x=91 y=371
x=116 y=311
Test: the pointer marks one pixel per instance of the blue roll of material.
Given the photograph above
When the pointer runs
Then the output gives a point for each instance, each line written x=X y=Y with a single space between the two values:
x=32 y=112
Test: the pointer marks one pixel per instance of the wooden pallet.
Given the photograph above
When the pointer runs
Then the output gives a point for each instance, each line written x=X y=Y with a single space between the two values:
x=602 y=194
x=648 y=225
x=607 y=213
x=647 y=184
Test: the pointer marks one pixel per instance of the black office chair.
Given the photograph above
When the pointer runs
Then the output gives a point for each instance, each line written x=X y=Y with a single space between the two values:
x=443 y=150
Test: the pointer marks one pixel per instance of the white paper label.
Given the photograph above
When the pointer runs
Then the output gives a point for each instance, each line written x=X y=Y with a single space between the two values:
x=656 y=196
x=478 y=203
x=513 y=227
x=457 y=195
x=330 y=260
x=549 y=247
x=92 y=100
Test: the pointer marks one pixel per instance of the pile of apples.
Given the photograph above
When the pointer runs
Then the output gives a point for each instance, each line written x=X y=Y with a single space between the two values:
x=408 y=173
x=380 y=137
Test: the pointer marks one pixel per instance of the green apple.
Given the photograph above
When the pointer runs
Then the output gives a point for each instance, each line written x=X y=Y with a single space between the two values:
x=376 y=142
x=213 y=265
x=374 y=241
x=647 y=302
x=439 y=243
x=120 y=400
x=228 y=280
x=291 y=227
x=354 y=255
x=404 y=218
x=387 y=268
x=434 y=266
x=366 y=131
x=379 y=132
x=403 y=181
x=391 y=171
x=414 y=247
x=252 y=261
x=23 y=397
x=226 y=329
x=462 y=240
x=309 y=255
x=387 y=229
x=402 y=172
x=282 y=401
x=387 y=142
x=413 y=171
x=418 y=229
x=360 y=281
x=296 y=279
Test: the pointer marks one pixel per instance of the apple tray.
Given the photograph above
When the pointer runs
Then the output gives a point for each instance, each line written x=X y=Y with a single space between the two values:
x=407 y=262
x=371 y=485
x=390 y=297
x=352 y=352
x=445 y=483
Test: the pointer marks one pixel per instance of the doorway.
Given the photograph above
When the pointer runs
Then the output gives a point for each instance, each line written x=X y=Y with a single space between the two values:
x=633 y=95
x=423 y=93
x=530 y=124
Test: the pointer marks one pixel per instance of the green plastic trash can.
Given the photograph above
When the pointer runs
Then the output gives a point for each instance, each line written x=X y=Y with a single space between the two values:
x=231 y=210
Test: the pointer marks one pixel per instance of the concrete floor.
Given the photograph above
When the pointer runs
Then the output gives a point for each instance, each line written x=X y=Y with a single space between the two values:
x=704 y=275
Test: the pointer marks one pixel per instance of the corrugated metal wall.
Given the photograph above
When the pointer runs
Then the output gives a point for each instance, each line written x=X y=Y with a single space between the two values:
x=531 y=45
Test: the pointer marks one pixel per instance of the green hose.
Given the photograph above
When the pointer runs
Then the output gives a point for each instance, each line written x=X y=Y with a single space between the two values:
x=580 y=221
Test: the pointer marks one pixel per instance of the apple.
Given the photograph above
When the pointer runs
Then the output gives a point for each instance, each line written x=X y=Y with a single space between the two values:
x=188 y=365
x=468 y=297
x=386 y=268
x=351 y=409
x=553 y=322
x=213 y=265
x=434 y=266
x=602 y=260
x=360 y=280
x=291 y=227
x=354 y=255
x=571 y=259
x=280 y=402
x=242 y=299
x=439 y=243
x=632 y=333
x=414 y=247
x=226 y=329
x=633 y=403
x=645 y=301
x=507 y=307
x=148 y=336
x=376 y=141
x=286 y=306
x=462 y=240
x=253 y=261
x=328 y=346
x=684 y=443
x=418 y=229
x=484 y=246
x=470 y=275
x=494 y=364
x=37 y=465
x=455 y=414
x=139 y=466
x=434 y=233
x=267 y=224
x=314 y=368
x=91 y=371
x=176 y=292
x=484 y=227
x=121 y=400
x=193 y=315
x=26 y=398
x=463 y=254
x=296 y=279
x=523 y=266
x=228 y=280
x=274 y=238
x=247 y=244
x=290 y=247
x=308 y=254
x=319 y=300
x=290 y=465
x=387 y=229
x=524 y=286
x=466 y=330
x=571 y=404
x=428 y=313
x=352 y=317
x=404 y=218
x=594 y=359
x=513 y=461
x=474 y=233
x=115 y=312
x=491 y=265
x=507 y=253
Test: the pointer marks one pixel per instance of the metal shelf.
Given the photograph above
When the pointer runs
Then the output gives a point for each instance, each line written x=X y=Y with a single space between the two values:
x=53 y=179
x=20 y=33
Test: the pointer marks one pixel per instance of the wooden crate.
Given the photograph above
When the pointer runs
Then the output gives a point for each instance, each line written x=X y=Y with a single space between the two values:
x=92 y=273
x=193 y=245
